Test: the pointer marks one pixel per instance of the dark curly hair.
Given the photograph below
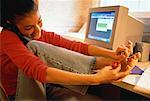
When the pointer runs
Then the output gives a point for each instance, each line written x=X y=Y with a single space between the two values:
x=10 y=9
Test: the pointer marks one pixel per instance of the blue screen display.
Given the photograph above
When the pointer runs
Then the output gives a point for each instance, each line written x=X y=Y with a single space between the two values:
x=101 y=24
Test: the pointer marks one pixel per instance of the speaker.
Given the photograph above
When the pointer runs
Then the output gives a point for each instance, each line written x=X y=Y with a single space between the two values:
x=144 y=48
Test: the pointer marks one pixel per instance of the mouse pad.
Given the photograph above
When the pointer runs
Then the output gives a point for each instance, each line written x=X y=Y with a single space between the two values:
x=137 y=70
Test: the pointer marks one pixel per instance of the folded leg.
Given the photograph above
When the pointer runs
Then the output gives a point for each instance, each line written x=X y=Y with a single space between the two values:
x=63 y=59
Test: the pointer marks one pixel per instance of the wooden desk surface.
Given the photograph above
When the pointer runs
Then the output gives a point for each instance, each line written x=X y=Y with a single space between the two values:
x=132 y=87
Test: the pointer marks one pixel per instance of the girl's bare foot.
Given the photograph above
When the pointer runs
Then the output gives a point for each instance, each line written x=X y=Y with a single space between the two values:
x=101 y=62
x=130 y=62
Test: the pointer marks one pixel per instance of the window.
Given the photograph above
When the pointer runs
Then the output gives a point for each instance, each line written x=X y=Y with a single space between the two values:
x=133 y=5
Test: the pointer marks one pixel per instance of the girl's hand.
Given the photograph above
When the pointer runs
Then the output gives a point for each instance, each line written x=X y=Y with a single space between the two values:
x=108 y=74
x=117 y=71
x=123 y=51
x=128 y=65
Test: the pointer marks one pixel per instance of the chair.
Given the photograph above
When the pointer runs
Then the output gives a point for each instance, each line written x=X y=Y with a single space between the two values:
x=29 y=89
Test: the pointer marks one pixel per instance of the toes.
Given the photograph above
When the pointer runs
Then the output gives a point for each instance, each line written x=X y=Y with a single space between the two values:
x=132 y=60
x=115 y=64
x=135 y=56
x=130 y=47
x=138 y=55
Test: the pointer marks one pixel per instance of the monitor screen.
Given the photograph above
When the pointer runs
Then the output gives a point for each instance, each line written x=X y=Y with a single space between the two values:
x=100 y=26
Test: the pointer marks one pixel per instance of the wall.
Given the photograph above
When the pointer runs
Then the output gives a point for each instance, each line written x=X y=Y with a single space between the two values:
x=145 y=18
x=65 y=15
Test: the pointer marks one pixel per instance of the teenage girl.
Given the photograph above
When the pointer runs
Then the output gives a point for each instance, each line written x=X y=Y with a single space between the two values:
x=21 y=18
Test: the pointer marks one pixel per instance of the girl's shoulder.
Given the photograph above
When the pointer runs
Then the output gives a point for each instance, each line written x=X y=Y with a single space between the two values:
x=44 y=32
x=6 y=32
x=7 y=35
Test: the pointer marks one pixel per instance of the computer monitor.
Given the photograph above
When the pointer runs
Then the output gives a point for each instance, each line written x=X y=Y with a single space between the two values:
x=111 y=26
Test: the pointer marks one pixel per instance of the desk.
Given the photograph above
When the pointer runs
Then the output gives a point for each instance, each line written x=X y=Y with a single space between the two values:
x=128 y=86
x=131 y=86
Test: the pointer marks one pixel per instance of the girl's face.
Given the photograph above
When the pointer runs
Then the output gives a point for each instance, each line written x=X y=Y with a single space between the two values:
x=30 y=25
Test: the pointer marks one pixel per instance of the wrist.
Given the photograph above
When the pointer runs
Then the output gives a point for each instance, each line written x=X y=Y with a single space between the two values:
x=112 y=54
x=96 y=79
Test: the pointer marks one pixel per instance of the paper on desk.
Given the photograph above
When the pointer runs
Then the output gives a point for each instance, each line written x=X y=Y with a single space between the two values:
x=134 y=79
x=144 y=81
x=147 y=70
x=143 y=85
x=131 y=79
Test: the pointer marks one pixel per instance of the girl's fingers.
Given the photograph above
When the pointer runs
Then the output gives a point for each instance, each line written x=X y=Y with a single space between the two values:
x=108 y=67
x=129 y=45
x=125 y=50
x=95 y=71
x=117 y=69
x=128 y=69
x=138 y=55
x=133 y=59
x=115 y=64
x=119 y=80
x=122 y=50
x=120 y=75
